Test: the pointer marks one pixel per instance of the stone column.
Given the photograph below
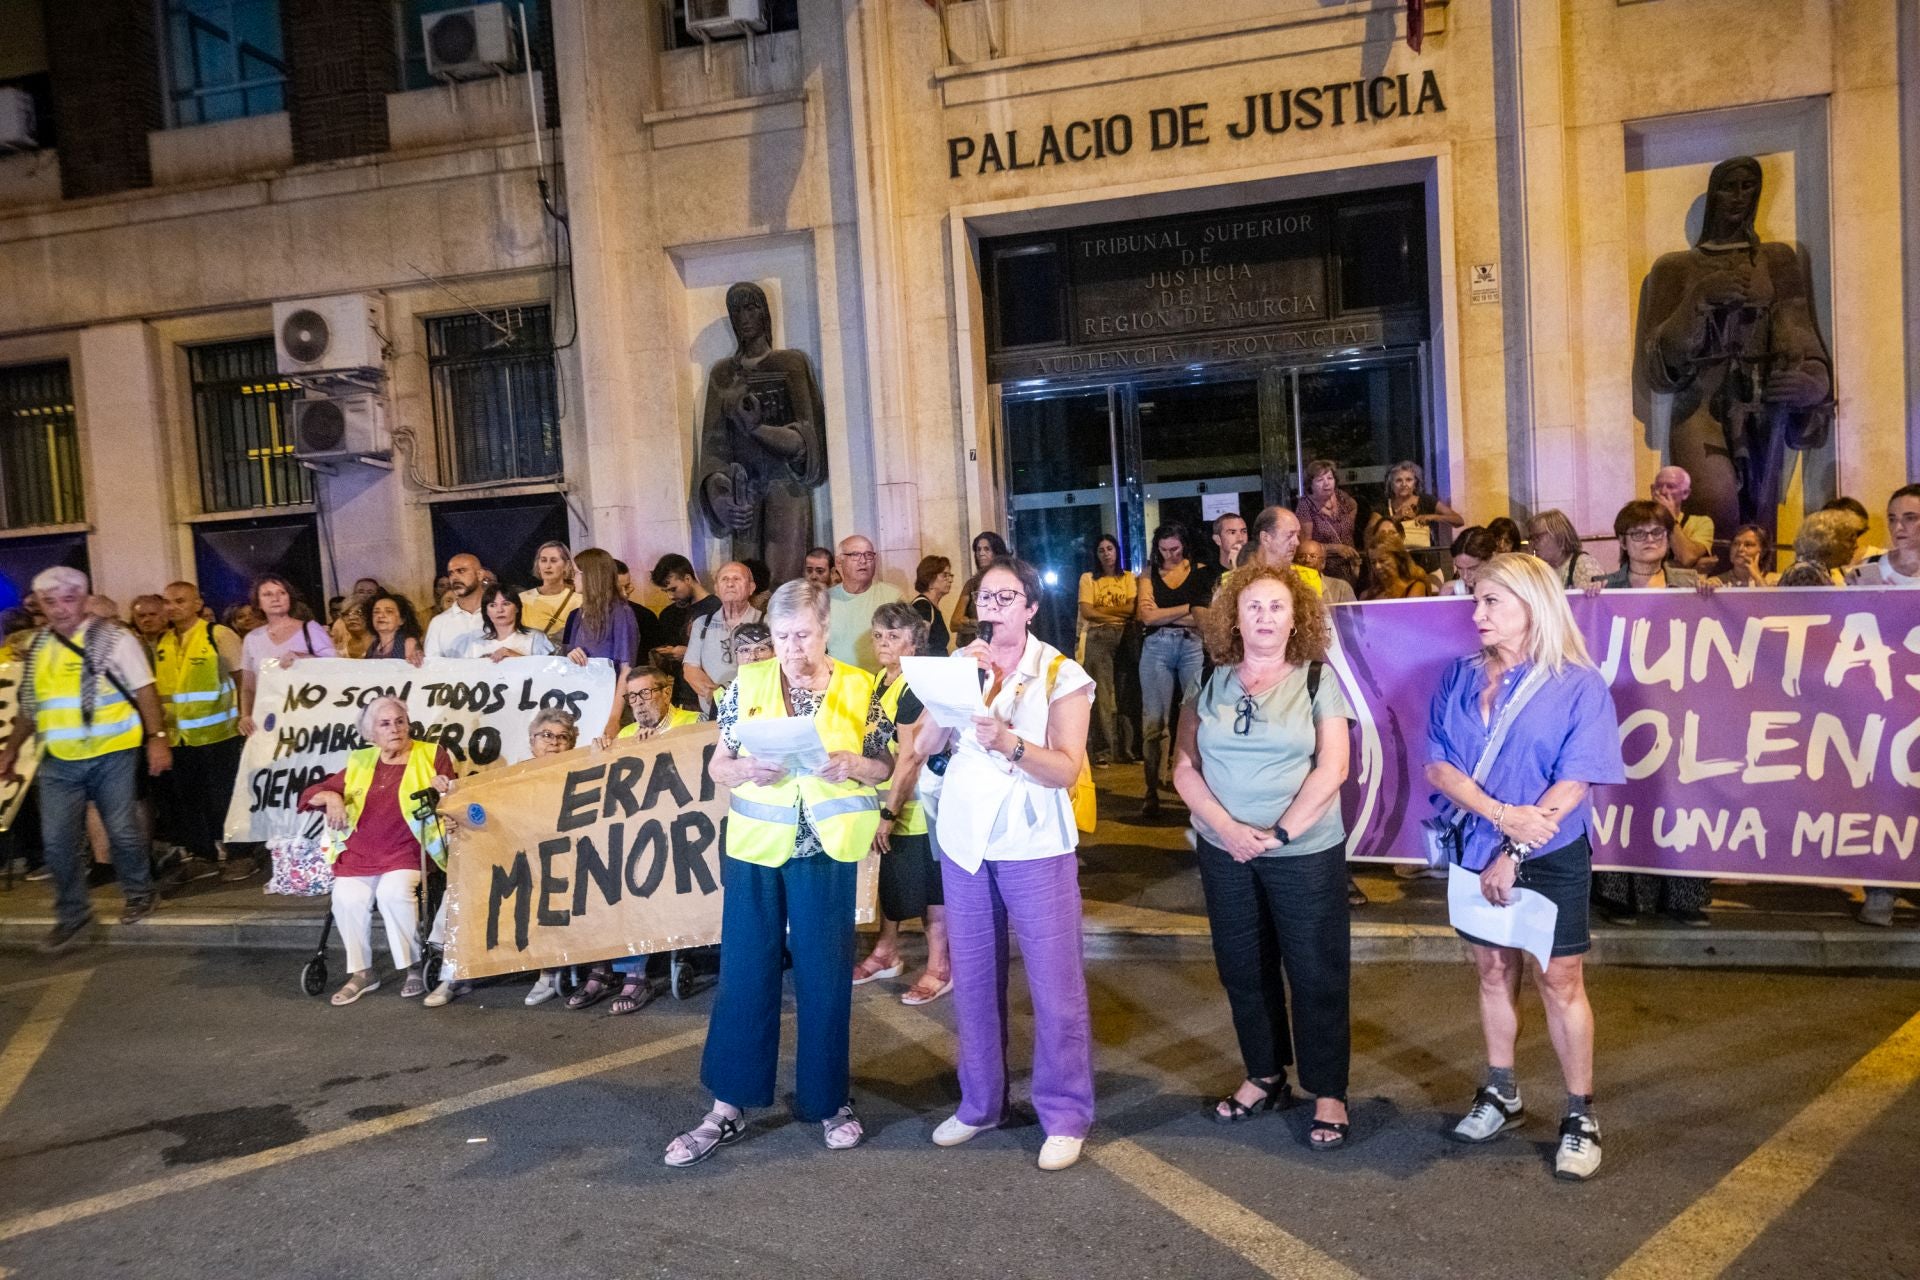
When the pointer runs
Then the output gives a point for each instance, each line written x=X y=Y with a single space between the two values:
x=133 y=547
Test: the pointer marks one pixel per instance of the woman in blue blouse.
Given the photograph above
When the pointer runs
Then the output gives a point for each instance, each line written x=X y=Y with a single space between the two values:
x=1525 y=824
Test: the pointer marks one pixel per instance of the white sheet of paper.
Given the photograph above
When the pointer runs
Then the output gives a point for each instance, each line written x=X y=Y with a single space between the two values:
x=1215 y=505
x=949 y=688
x=792 y=741
x=1527 y=923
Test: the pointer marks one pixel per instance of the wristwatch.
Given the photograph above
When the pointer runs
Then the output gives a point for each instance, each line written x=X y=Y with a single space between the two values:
x=888 y=816
x=156 y=733
x=1019 y=749
x=1280 y=834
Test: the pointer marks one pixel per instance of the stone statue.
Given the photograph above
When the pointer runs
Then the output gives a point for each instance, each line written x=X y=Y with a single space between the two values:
x=762 y=443
x=1727 y=329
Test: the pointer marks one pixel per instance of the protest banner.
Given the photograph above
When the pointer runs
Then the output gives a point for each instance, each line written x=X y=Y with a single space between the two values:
x=14 y=791
x=1768 y=735
x=307 y=719
x=592 y=855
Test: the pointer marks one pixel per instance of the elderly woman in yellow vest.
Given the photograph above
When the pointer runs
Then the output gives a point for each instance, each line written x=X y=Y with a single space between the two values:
x=380 y=818
x=196 y=666
x=793 y=842
x=909 y=871
x=88 y=691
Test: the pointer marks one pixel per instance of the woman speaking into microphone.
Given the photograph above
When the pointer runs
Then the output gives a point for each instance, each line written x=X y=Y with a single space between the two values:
x=1007 y=837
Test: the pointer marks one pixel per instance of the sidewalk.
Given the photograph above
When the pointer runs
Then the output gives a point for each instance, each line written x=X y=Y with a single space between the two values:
x=1143 y=901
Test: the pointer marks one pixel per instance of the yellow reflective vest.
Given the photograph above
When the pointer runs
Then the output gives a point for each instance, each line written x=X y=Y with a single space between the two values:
x=763 y=823
x=676 y=718
x=63 y=730
x=196 y=692
x=913 y=819
x=429 y=831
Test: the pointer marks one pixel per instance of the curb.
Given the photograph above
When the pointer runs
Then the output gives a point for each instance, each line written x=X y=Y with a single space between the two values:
x=1846 y=949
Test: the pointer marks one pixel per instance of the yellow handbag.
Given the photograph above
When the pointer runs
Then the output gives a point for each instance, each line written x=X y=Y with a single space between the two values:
x=1086 y=806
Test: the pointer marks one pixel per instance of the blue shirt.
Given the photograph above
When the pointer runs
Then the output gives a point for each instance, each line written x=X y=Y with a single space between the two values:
x=1568 y=731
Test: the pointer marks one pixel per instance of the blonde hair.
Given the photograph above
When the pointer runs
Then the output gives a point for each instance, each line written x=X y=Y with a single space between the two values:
x=1553 y=641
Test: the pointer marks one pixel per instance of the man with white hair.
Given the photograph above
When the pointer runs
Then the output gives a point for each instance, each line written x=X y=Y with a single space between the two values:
x=1692 y=535
x=859 y=593
x=86 y=689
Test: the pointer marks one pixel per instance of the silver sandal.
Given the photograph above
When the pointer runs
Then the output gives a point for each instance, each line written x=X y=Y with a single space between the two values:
x=353 y=989
x=836 y=1128
x=705 y=1138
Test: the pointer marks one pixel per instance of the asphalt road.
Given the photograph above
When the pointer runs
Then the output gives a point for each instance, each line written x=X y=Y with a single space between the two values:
x=191 y=1114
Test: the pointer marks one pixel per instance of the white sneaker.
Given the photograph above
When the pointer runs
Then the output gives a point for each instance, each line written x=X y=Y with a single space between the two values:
x=1060 y=1153
x=952 y=1131
x=1579 y=1156
x=1490 y=1116
x=544 y=989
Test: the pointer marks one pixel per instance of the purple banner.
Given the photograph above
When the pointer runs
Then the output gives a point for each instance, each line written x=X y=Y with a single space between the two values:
x=1768 y=735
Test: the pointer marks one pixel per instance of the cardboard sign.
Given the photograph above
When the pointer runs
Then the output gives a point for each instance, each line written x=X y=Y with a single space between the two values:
x=14 y=792
x=592 y=855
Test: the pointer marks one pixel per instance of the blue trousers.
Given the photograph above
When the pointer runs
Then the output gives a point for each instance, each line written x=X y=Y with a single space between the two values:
x=65 y=788
x=806 y=905
x=1170 y=660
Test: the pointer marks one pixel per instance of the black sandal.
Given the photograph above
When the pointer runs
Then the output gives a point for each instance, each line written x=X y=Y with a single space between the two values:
x=1275 y=1095
x=721 y=1131
x=636 y=994
x=1338 y=1128
x=592 y=991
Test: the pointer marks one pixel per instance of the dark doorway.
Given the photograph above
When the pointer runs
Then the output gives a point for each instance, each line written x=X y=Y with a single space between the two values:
x=21 y=558
x=227 y=557
x=504 y=532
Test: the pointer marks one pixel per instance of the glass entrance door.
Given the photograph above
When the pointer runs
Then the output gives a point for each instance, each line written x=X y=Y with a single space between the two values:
x=1123 y=458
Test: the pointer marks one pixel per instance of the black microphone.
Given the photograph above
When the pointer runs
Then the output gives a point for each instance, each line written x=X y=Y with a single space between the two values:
x=985 y=626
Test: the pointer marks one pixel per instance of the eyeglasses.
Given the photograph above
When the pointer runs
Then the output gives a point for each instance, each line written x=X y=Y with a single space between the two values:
x=554 y=737
x=1645 y=535
x=645 y=695
x=1243 y=715
x=1004 y=599
x=859 y=555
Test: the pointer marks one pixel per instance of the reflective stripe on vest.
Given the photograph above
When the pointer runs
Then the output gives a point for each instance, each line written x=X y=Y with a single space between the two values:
x=912 y=820
x=197 y=693
x=59 y=702
x=763 y=822
x=428 y=832
x=677 y=717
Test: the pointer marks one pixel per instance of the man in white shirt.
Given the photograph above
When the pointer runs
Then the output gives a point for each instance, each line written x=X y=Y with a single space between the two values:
x=1692 y=535
x=1899 y=567
x=850 y=622
x=465 y=578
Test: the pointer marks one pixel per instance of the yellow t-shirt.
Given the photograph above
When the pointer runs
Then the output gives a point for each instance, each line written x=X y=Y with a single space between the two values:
x=548 y=613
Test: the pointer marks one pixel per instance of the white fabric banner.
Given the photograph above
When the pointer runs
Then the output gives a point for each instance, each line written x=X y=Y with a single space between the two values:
x=15 y=791
x=307 y=716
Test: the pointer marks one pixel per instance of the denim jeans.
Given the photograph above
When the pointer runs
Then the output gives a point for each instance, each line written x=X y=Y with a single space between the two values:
x=1170 y=660
x=65 y=788
x=1282 y=922
x=1116 y=736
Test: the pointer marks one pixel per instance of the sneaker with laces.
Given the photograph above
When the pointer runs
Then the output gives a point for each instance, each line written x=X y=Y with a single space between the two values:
x=1579 y=1155
x=1490 y=1116
x=138 y=909
x=953 y=1131
x=1059 y=1152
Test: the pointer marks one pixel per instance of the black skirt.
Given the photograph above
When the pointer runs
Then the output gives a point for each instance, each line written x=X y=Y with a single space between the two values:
x=909 y=879
x=1566 y=877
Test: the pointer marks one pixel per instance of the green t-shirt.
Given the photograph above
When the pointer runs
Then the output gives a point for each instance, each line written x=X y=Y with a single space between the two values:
x=1256 y=775
x=850 y=623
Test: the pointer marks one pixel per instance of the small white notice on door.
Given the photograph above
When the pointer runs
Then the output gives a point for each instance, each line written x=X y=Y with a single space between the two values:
x=1215 y=505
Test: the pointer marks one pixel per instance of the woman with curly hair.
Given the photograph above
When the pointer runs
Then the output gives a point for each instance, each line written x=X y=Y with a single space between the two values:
x=1259 y=762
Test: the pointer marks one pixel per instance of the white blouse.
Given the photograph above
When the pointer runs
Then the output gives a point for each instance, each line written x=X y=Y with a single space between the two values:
x=990 y=810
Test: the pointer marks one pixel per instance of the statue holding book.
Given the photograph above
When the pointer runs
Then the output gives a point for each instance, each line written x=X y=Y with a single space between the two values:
x=762 y=443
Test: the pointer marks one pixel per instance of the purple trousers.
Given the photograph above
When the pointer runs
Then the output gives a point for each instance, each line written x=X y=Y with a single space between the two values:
x=1041 y=900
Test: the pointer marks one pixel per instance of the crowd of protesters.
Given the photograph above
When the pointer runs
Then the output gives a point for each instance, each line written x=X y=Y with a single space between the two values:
x=141 y=724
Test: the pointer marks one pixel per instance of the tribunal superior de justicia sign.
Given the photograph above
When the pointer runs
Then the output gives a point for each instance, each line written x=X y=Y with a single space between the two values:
x=1194 y=124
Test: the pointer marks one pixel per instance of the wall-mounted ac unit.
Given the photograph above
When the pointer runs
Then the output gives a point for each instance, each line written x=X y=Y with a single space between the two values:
x=328 y=335
x=335 y=428
x=710 y=18
x=470 y=43
x=18 y=129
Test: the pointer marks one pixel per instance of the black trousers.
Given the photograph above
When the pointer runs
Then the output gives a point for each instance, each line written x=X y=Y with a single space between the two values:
x=1282 y=922
x=194 y=794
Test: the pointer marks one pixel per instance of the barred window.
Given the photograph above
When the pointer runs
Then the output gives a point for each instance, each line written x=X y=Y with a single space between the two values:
x=39 y=448
x=242 y=414
x=496 y=411
x=224 y=59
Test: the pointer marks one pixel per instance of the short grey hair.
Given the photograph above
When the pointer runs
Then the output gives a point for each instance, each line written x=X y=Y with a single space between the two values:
x=560 y=718
x=1826 y=538
x=372 y=708
x=61 y=577
x=1419 y=476
x=798 y=598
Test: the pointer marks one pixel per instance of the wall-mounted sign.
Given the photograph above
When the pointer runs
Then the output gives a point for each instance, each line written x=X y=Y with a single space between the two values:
x=1483 y=282
x=1195 y=124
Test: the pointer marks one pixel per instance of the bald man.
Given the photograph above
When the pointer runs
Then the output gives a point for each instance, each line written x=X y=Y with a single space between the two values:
x=1692 y=535
x=196 y=670
x=1276 y=539
x=465 y=580
x=710 y=662
x=859 y=593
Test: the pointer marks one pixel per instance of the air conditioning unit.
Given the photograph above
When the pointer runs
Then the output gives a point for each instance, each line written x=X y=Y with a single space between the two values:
x=328 y=335
x=17 y=124
x=709 y=18
x=332 y=428
x=471 y=43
